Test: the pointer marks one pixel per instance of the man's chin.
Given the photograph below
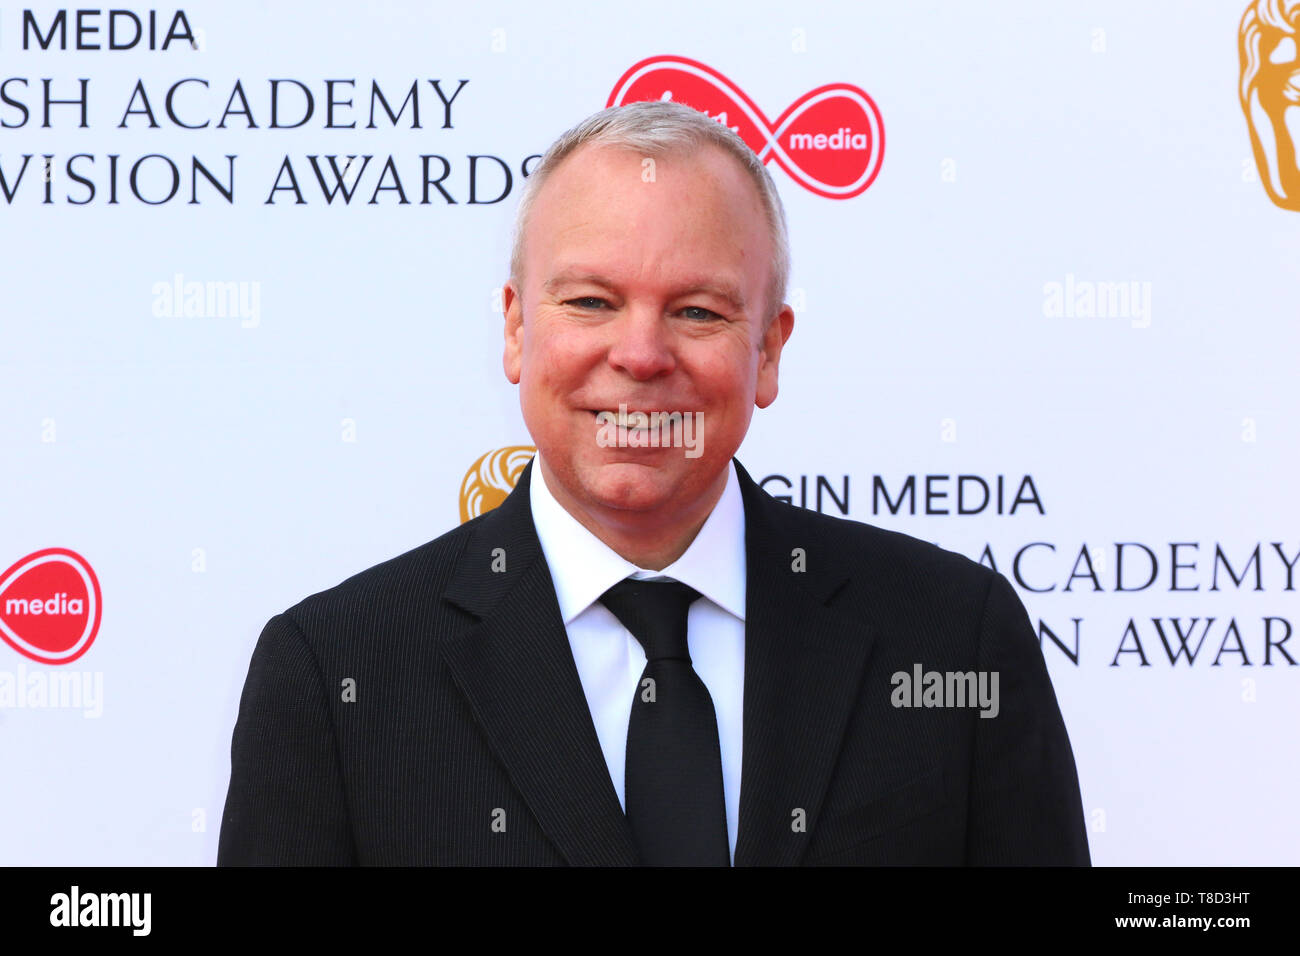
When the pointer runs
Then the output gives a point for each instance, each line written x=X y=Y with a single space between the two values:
x=633 y=485
x=645 y=481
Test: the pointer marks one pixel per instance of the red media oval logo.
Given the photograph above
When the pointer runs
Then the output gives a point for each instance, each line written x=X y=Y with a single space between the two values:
x=831 y=140
x=50 y=606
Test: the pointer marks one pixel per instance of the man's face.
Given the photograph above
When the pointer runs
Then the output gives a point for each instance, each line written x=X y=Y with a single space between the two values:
x=643 y=285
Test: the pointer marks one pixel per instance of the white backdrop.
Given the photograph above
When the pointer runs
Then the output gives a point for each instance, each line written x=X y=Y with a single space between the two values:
x=214 y=469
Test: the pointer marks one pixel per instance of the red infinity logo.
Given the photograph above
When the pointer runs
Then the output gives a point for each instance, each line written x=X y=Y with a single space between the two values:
x=50 y=606
x=831 y=140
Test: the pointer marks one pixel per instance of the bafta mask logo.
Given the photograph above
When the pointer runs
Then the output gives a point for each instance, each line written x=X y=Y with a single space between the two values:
x=1270 y=94
x=491 y=478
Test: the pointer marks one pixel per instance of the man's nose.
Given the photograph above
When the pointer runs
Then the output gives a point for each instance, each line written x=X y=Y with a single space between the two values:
x=642 y=344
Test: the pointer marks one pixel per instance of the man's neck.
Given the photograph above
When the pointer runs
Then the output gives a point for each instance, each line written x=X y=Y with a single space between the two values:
x=646 y=540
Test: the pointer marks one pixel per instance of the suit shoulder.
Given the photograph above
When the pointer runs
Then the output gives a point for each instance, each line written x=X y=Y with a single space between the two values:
x=414 y=578
x=882 y=555
x=929 y=601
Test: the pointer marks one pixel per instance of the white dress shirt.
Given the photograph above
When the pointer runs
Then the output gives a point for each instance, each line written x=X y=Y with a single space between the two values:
x=610 y=660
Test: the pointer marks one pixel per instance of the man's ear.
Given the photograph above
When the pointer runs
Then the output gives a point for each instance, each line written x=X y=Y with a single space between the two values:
x=769 y=355
x=513 y=307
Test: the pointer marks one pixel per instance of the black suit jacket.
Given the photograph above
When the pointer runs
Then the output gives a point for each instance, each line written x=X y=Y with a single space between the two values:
x=428 y=711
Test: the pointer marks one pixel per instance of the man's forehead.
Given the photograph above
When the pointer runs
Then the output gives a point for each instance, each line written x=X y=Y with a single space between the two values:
x=581 y=243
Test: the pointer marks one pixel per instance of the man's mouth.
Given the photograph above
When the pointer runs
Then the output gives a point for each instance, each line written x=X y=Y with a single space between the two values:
x=648 y=428
x=630 y=418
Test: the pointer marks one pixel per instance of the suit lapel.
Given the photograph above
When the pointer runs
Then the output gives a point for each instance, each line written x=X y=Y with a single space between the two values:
x=804 y=660
x=803 y=665
x=517 y=671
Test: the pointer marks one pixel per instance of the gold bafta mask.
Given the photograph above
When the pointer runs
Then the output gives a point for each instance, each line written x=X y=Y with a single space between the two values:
x=1270 y=94
x=491 y=478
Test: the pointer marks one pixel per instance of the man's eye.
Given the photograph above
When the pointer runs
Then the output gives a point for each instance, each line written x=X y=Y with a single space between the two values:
x=587 y=301
x=701 y=312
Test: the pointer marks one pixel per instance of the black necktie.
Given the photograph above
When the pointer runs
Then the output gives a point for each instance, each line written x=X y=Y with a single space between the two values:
x=673 y=792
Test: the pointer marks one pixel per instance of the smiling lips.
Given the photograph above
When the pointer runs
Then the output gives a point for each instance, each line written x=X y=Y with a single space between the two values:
x=622 y=414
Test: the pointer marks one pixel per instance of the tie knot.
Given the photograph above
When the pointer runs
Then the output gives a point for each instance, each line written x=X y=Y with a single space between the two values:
x=655 y=612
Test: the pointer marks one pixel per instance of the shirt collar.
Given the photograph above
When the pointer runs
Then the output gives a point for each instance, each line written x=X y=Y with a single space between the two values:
x=583 y=567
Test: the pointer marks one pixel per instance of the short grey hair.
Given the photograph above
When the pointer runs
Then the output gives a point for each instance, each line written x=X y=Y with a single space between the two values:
x=663 y=128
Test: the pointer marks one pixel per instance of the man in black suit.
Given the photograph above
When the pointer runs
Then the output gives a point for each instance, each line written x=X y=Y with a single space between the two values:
x=640 y=656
